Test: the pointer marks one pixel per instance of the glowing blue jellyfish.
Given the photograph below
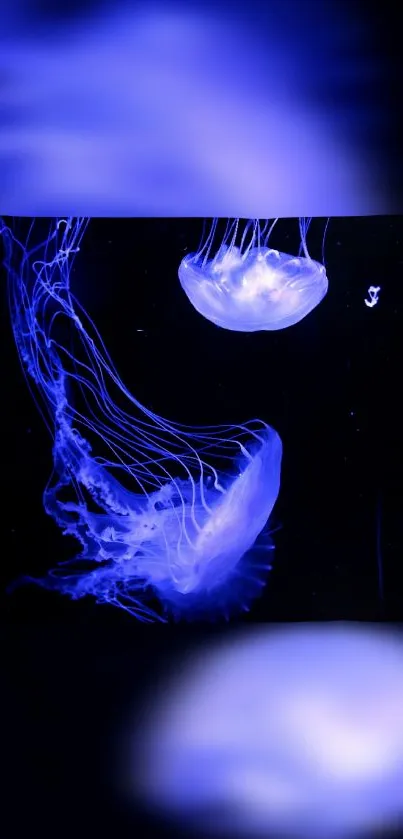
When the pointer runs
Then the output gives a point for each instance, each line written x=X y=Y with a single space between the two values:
x=247 y=286
x=154 y=516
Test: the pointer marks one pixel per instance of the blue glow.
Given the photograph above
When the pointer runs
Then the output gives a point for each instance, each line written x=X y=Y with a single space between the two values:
x=177 y=108
x=158 y=507
x=283 y=732
x=247 y=286
x=373 y=294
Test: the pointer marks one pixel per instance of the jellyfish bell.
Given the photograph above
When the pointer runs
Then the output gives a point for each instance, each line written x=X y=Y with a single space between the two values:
x=202 y=548
x=223 y=565
x=254 y=287
x=266 y=291
x=161 y=510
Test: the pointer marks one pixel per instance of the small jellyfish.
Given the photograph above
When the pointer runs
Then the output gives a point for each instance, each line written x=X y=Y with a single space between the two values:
x=246 y=286
x=373 y=296
x=162 y=511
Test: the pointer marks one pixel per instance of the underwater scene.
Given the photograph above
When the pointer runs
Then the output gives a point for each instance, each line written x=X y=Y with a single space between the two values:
x=201 y=262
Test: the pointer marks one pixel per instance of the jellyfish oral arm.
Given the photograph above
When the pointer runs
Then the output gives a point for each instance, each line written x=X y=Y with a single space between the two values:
x=154 y=517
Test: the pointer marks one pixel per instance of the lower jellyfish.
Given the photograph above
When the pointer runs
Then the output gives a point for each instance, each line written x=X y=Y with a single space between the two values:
x=162 y=511
x=247 y=286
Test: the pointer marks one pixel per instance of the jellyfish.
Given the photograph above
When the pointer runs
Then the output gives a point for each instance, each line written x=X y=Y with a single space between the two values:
x=164 y=513
x=247 y=286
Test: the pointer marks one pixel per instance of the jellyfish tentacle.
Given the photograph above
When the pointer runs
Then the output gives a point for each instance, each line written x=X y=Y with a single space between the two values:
x=162 y=511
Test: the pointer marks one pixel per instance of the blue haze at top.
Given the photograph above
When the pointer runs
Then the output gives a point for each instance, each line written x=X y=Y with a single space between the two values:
x=173 y=109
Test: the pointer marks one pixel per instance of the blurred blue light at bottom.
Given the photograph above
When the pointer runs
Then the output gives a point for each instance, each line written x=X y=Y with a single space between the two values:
x=285 y=732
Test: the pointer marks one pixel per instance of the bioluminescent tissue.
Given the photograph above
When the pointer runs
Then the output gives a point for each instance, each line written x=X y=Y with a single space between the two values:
x=161 y=510
x=373 y=296
x=287 y=733
x=248 y=286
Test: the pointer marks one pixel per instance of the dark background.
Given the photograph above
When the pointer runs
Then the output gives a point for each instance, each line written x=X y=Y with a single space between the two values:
x=330 y=386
